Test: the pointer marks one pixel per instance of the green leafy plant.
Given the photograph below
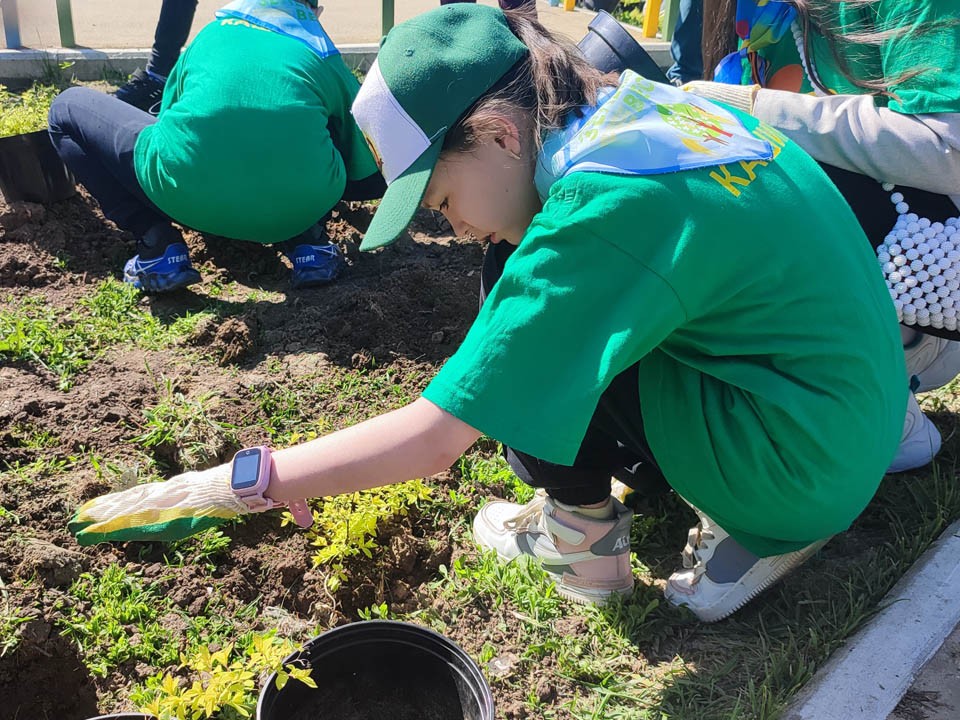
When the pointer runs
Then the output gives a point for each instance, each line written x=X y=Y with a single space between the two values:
x=224 y=683
x=630 y=12
x=116 y=618
x=346 y=526
x=25 y=112
x=375 y=612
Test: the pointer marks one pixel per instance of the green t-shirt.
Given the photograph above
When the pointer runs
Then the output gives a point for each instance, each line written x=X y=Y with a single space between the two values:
x=771 y=371
x=254 y=140
x=923 y=36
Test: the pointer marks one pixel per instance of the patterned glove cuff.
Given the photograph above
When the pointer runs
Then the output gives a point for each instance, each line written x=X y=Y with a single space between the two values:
x=741 y=97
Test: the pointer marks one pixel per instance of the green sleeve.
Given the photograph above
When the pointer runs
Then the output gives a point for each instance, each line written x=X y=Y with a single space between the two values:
x=571 y=311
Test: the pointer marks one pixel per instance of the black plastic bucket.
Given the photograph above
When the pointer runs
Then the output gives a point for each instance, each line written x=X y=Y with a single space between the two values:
x=380 y=670
x=31 y=170
x=610 y=48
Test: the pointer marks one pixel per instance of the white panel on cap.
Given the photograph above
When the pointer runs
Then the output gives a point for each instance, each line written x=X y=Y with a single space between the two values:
x=395 y=137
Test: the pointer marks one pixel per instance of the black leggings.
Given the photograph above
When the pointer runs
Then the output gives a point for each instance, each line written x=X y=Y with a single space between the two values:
x=613 y=445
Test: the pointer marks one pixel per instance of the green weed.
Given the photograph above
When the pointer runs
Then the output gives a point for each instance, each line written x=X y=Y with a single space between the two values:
x=25 y=112
x=182 y=428
x=11 y=620
x=115 y=618
x=26 y=473
x=493 y=473
x=65 y=345
x=203 y=548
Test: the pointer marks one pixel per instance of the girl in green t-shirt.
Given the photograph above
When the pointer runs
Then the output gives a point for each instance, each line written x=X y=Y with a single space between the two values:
x=253 y=141
x=664 y=308
x=872 y=91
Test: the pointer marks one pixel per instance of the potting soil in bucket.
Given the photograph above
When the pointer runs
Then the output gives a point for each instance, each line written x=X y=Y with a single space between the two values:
x=380 y=670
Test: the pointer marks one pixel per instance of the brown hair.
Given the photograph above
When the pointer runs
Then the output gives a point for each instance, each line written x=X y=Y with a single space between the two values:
x=814 y=17
x=719 y=33
x=552 y=81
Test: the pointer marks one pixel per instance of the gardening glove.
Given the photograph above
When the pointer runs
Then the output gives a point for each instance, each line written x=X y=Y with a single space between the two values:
x=741 y=97
x=165 y=511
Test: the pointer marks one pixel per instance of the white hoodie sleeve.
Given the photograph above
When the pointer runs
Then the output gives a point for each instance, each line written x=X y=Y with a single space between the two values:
x=851 y=132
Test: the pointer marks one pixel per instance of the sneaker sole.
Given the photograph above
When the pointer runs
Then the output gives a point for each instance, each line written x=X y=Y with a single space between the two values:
x=587 y=597
x=722 y=609
x=145 y=285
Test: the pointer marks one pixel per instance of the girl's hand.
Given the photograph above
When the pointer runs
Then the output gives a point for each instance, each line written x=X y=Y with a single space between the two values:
x=165 y=511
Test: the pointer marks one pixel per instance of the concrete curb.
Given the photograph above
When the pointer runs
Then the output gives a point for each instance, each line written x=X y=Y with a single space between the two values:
x=87 y=64
x=866 y=679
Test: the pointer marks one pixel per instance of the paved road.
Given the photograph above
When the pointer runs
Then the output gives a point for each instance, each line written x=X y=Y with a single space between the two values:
x=935 y=694
x=131 y=23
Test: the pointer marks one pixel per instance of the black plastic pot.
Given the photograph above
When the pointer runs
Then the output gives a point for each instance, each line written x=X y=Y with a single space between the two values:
x=380 y=670
x=31 y=170
x=610 y=48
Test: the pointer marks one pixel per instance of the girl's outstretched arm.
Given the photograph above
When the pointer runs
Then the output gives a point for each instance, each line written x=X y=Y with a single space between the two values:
x=417 y=440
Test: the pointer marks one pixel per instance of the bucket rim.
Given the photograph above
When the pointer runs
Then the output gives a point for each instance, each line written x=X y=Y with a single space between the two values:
x=369 y=631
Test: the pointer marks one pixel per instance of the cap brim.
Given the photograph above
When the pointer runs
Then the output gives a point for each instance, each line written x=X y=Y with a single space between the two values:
x=401 y=200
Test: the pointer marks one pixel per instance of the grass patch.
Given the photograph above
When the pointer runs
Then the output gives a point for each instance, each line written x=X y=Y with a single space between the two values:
x=115 y=618
x=182 y=430
x=34 y=332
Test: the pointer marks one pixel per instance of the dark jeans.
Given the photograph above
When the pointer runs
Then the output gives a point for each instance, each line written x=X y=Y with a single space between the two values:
x=173 y=28
x=95 y=134
x=614 y=444
x=685 y=47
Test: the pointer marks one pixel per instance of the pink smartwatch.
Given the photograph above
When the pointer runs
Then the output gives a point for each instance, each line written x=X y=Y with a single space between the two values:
x=249 y=478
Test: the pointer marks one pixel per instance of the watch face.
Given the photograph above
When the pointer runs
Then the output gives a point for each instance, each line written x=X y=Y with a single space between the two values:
x=246 y=469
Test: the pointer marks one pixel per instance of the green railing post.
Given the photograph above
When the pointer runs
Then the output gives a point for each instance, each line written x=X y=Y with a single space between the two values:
x=11 y=23
x=671 y=17
x=65 y=18
x=386 y=17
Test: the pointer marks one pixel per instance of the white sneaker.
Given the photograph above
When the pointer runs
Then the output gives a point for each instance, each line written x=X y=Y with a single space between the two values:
x=720 y=576
x=589 y=559
x=920 y=441
x=933 y=361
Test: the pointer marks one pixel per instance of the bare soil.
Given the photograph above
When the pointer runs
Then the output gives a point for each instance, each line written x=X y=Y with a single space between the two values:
x=400 y=311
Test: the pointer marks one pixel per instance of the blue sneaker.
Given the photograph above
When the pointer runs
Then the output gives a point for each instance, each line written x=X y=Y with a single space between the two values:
x=170 y=271
x=315 y=265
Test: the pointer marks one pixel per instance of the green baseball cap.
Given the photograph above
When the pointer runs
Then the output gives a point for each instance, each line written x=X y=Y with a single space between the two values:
x=429 y=71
